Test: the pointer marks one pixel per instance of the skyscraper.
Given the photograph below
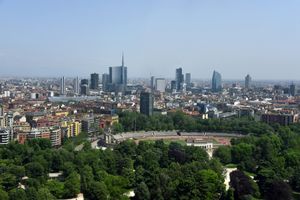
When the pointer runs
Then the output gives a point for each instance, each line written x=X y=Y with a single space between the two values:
x=248 y=80
x=188 y=80
x=118 y=77
x=152 y=83
x=160 y=84
x=62 y=86
x=293 y=89
x=105 y=82
x=146 y=103
x=216 y=82
x=179 y=79
x=173 y=85
x=94 y=81
x=84 y=87
x=76 y=85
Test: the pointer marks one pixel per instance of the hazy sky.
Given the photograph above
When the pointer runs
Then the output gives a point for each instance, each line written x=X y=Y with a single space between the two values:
x=72 y=37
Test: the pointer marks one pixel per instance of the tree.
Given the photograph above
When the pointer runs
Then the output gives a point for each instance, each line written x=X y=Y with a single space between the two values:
x=98 y=191
x=39 y=143
x=3 y=195
x=8 y=181
x=295 y=180
x=278 y=190
x=210 y=185
x=117 y=128
x=17 y=194
x=34 y=170
x=243 y=185
x=224 y=154
x=68 y=168
x=56 y=188
x=72 y=185
x=43 y=193
x=229 y=194
x=31 y=194
x=142 y=192
x=86 y=178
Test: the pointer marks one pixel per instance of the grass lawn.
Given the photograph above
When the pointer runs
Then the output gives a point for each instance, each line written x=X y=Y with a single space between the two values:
x=231 y=165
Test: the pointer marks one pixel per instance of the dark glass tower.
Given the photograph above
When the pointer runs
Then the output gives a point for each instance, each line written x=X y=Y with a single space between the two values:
x=84 y=87
x=216 y=82
x=179 y=79
x=293 y=89
x=94 y=81
x=146 y=103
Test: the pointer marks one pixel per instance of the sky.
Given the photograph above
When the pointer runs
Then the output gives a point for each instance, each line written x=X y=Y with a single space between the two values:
x=78 y=37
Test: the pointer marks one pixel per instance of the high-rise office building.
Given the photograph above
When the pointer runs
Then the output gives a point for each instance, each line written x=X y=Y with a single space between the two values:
x=62 y=86
x=216 y=82
x=105 y=82
x=118 y=77
x=76 y=85
x=160 y=84
x=248 y=80
x=188 y=80
x=84 y=87
x=152 y=83
x=146 y=103
x=293 y=89
x=94 y=81
x=173 y=85
x=179 y=79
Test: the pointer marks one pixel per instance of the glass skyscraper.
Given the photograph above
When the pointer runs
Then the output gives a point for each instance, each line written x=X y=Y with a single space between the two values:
x=118 y=78
x=146 y=103
x=94 y=81
x=248 y=81
x=216 y=82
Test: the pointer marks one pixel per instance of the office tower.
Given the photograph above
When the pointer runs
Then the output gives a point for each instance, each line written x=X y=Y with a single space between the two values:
x=179 y=79
x=94 y=81
x=105 y=82
x=160 y=84
x=76 y=85
x=118 y=77
x=146 y=103
x=188 y=80
x=62 y=86
x=293 y=89
x=152 y=83
x=216 y=82
x=248 y=80
x=84 y=87
x=173 y=85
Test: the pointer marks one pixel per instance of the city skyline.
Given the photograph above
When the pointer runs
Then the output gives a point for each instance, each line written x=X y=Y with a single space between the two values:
x=56 y=38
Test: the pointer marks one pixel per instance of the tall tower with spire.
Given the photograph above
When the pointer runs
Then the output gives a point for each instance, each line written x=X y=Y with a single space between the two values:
x=122 y=59
x=118 y=77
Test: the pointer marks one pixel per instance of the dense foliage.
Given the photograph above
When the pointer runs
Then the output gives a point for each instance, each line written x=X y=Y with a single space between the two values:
x=268 y=163
x=133 y=121
x=273 y=159
x=152 y=170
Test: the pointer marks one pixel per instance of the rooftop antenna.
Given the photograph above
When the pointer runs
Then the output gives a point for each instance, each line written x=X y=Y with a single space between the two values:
x=122 y=59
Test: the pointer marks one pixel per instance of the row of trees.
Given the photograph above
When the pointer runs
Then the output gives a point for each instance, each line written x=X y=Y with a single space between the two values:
x=133 y=121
